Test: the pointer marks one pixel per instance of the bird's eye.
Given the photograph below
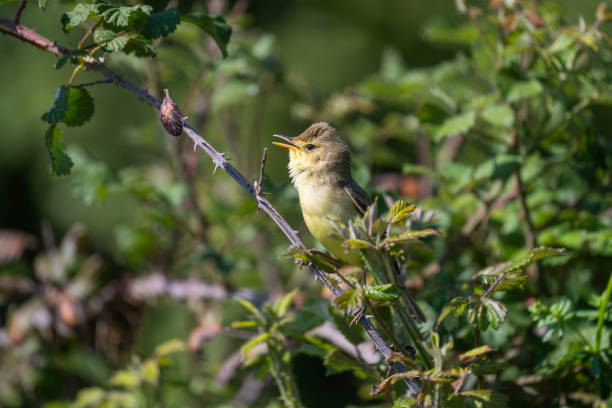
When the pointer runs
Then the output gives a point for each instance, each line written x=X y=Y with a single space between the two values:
x=310 y=147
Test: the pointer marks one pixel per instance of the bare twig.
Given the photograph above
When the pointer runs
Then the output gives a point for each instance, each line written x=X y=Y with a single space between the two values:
x=22 y=6
x=219 y=160
x=102 y=81
x=259 y=183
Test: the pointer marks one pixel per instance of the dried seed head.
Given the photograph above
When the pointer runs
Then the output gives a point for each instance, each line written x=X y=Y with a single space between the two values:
x=170 y=116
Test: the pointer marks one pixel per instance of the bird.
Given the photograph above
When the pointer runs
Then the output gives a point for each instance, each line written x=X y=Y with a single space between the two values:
x=320 y=169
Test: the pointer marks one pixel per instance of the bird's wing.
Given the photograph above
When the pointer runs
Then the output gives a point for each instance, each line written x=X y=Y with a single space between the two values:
x=360 y=198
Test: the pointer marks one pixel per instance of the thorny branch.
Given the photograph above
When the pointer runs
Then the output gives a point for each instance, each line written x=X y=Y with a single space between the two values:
x=30 y=36
x=259 y=183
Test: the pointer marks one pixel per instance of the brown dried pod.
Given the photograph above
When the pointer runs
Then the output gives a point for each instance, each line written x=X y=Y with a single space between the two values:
x=170 y=116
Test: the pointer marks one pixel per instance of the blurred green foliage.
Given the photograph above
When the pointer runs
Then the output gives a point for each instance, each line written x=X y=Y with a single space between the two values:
x=167 y=289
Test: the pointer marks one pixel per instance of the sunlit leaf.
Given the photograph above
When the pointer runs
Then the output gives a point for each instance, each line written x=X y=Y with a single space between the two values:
x=456 y=125
x=249 y=345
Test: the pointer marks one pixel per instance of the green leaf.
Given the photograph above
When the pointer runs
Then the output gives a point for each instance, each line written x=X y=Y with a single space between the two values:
x=492 y=399
x=149 y=370
x=282 y=305
x=499 y=115
x=244 y=324
x=80 y=107
x=352 y=244
x=103 y=36
x=41 y=4
x=350 y=300
x=249 y=345
x=410 y=236
x=60 y=105
x=456 y=125
x=496 y=311
x=529 y=258
x=400 y=211
x=409 y=168
x=91 y=396
x=311 y=315
x=133 y=18
x=78 y=15
x=523 y=90
x=499 y=167
x=161 y=24
x=73 y=106
x=382 y=293
x=169 y=347
x=251 y=308
x=337 y=361
x=60 y=162
x=478 y=351
x=125 y=379
x=215 y=26
x=91 y=180
x=61 y=61
x=454 y=308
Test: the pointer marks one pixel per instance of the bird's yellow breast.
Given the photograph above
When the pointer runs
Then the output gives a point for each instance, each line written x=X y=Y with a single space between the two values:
x=320 y=202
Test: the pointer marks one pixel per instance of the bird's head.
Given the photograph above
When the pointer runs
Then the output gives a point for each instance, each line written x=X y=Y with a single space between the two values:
x=317 y=151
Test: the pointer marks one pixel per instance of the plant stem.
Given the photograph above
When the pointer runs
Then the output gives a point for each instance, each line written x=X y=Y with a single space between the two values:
x=602 y=313
x=284 y=380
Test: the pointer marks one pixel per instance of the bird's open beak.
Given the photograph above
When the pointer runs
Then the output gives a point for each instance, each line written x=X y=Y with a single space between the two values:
x=285 y=145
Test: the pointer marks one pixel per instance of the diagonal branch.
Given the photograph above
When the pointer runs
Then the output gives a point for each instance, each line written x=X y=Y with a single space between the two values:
x=30 y=36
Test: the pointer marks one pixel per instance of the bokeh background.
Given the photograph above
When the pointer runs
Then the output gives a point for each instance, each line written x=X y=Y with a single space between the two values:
x=126 y=202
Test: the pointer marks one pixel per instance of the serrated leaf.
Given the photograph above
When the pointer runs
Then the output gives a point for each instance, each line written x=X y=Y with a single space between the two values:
x=78 y=15
x=161 y=24
x=282 y=305
x=60 y=162
x=382 y=293
x=496 y=311
x=133 y=18
x=499 y=115
x=532 y=256
x=80 y=107
x=456 y=125
x=400 y=211
x=249 y=345
x=410 y=236
x=103 y=36
x=350 y=300
x=58 y=109
x=523 y=90
x=215 y=26
x=455 y=307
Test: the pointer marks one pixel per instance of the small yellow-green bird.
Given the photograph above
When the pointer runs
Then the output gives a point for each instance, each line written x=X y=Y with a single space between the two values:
x=320 y=169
